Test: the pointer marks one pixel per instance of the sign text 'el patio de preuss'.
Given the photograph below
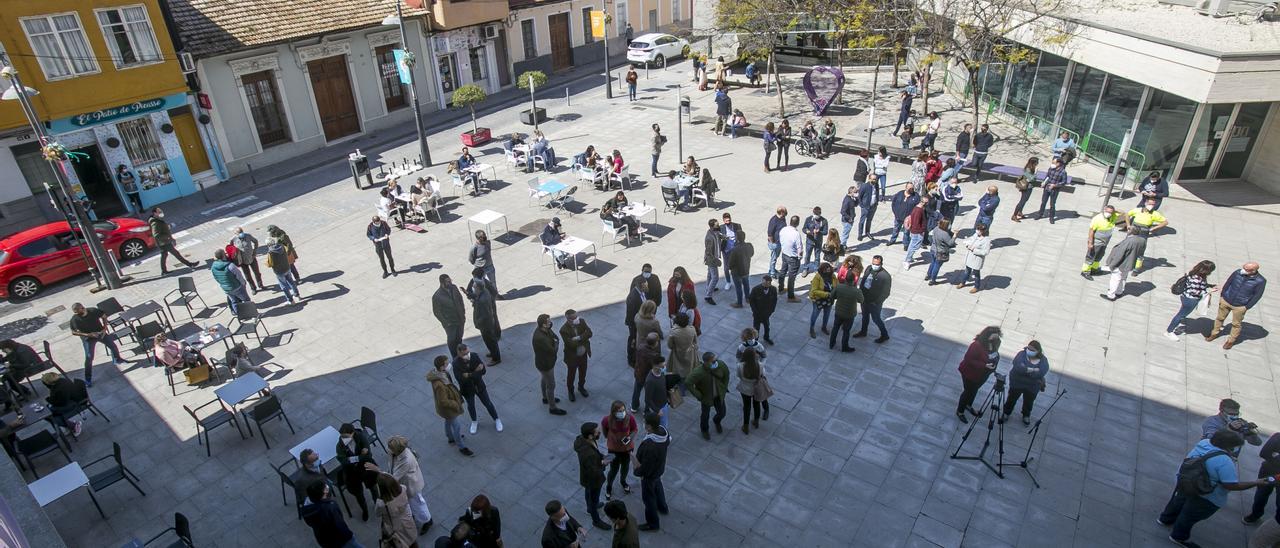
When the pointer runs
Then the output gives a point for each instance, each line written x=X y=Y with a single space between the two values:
x=106 y=114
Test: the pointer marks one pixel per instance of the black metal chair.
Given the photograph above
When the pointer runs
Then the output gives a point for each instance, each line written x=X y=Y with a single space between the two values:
x=114 y=473
x=145 y=336
x=265 y=410
x=86 y=403
x=218 y=418
x=45 y=364
x=40 y=444
x=249 y=321
x=112 y=308
x=186 y=294
x=670 y=200
x=181 y=528
x=369 y=422
x=287 y=479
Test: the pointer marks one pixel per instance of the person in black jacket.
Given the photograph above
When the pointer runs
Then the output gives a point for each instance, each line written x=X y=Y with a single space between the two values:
x=982 y=142
x=561 y=530
x=469 y=369
x=64 y=397
x=848 y=214
x=485 y=522
x=763 y=299
x=591 y=465
x=22 y=361
x=484 y=312
x=875 y=285
x=1270 y=454
x=903 y=202
x=353 y=452
x=653 y=285
x=379 y=232
x=321 y=513
x=636 y=297
x=868 y=201
x=962 y=146
x=651 y=462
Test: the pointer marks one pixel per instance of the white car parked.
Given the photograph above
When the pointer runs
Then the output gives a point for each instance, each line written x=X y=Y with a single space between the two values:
x=655 y=48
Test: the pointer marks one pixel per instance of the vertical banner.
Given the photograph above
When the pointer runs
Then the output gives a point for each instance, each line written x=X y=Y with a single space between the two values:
x=597 y=24
x=402 y=65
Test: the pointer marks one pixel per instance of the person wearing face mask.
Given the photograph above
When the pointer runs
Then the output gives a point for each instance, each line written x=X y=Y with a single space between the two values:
x=1123 y=260
x=246 y=247
x=320 y=512
x=987 y=206
x=485 y=522
x=1241 y=292
x=469 y=369
x=979 y=245
x=625 y=532
x=635 y=299
x=619 y=428
x=652 y=286
x=448 y=308
x=753 y=388
x=651 y=463
x=308 y=473
x=648 y=350
x=1154 y=187
x=708 y=383
x=353 y=452
x=379 y=232
x=448 y=402
x=561 y=530
x=1147 y=220
x=545 y=345
x=682 y=344
x=1054 y=180
x=406 y=471
x=678 y=283
x=481 y=257
x=577 y=351
x=1228 y=418
x=713 y=246
x=979 y=362
x=904 y=202
x=484 y=312
x=1026 y=380
x=1101 y=227
x=749 y=343
x=846 y=296
x=763 y=300
x=163 y=235
x=591 y=464
x=875 y=285
x=657 y=398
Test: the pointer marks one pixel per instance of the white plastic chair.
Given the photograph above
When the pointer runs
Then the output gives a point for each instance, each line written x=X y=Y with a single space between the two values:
x=584 y=174
x=514 y=161
x=536 y=194
x=459 y=185
x=699 y=194
x=623 y=178
x=612 y=230
x=539 y=163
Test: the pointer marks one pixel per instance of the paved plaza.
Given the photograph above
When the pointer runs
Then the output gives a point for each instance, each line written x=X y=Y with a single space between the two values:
x=856 y=451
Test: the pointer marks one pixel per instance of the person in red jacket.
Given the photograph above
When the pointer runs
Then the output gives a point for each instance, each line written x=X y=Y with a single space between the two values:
x=978 y=364
x=677 y=284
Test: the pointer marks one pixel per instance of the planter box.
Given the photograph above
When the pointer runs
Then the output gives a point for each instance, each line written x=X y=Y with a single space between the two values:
x=477 y=138
x=526 y=116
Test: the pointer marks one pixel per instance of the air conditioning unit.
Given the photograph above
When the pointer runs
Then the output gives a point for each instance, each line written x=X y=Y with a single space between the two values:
x=490 y=32
x=187 y=62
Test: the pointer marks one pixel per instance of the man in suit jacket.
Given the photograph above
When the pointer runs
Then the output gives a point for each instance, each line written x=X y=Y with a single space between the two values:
x=868 y=200
x=577 y=350
x=447 y=306
x=353 y=453
x=875 y=284
x=545 y=347
x=637 y=296
x=484 y=310
x=652 y=287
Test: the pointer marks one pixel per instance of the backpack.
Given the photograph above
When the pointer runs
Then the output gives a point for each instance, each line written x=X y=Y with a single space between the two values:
x=230 y=250
x=1180 y=285
x=1193 y=475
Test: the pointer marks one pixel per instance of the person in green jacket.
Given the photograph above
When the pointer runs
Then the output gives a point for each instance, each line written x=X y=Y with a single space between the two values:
x=708 y=383
x=847 y=296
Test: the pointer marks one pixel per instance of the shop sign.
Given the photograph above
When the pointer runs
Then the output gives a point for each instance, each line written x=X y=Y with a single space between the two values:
x=114 y=113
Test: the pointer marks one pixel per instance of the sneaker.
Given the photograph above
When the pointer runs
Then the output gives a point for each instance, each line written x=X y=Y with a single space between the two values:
x=119 y=362
x=1163 y=524
x=497 y=424
x=1026 y=420
x=76 y=428
x=474 y=425
x=467 y=452
x=728 y=286
x=1250 y=520
x=1184 y=543
x=1169 y=335
x=557 y=411
x=906 y=265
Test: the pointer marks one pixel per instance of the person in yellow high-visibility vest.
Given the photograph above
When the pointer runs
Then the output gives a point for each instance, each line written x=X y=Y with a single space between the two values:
x=1101 y=228
x=1147 y=220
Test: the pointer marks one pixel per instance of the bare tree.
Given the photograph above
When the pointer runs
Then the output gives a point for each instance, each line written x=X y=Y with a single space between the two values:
x=760 y=25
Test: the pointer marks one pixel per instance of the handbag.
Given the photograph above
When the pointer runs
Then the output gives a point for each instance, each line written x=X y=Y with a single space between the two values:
x=197 y=374
x=762 y=391
x=674 y=399
x=1021 y=184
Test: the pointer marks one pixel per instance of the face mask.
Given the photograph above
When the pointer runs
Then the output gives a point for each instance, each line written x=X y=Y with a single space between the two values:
x=715 y=365
x=564 y=520
x=313 y=466
x=1233 y=417
x=346 y=439
x=475 y=514
x=159 y=215
x=620 y=415
x=875 y=267
x=1032 y=353
x=466 y=357
x=646 y=274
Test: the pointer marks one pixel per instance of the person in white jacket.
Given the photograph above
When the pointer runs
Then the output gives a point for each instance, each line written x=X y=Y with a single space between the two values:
x=978 y=245
x=405 y=469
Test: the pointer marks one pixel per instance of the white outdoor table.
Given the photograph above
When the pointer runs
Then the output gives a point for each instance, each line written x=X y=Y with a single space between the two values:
x=324 y=443
x=486 y=218
x=639 y=210
x=573 y=246
x=60 y=483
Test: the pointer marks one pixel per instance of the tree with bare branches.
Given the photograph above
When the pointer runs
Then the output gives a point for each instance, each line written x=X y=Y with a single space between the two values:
x=760 y=25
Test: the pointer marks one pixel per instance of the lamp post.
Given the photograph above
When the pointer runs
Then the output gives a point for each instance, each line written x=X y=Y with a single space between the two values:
x=104 y=265
x=398 y=20
x=608 y=76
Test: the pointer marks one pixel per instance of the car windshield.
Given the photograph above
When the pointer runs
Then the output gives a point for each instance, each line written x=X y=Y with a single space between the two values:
x=639 y=45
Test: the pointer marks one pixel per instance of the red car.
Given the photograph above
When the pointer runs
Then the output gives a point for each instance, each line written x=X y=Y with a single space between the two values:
x=39 y=256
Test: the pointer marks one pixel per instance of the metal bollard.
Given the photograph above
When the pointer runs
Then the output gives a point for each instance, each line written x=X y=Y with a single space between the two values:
x=566 y=96
x=202 y=193
x=252 y=179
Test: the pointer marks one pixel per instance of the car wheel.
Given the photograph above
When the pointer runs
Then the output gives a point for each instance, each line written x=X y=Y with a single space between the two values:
x=24 y=288
x=133 y=249
x=660 y=61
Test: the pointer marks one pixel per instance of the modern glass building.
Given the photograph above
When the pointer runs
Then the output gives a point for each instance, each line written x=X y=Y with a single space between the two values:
x=1196 y=114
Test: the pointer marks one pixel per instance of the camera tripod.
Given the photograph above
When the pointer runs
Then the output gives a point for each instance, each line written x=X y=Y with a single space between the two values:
x=992 y=404
x=1035 y=432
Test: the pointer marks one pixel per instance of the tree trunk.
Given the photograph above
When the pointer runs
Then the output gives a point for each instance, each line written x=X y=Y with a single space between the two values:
x=474 y=126
x=896 y=54
x=840 y=64
x=973 y=76
x=924 y=90
x=777 y=78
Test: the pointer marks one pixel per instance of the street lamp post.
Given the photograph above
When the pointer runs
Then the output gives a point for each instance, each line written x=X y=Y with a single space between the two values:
x=608 y=76
x=104 y=265
x=413 y=83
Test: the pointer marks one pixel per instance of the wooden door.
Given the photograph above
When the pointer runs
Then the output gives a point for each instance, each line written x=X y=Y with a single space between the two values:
x=332 y=87
x=561 y=49
x=189 y=138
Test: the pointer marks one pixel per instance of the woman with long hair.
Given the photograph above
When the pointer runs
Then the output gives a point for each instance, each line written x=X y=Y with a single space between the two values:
x=783 y=140
x=678 y=283
x=820 y=295
x=978 y=364
x=750 y=373
x=1026 y=380
x=397 y=526
x=831 y=247
x=485 y=523
x=919 y=169
x=1196 y=287
x=851 y=267
x=619 y=428
x=689 y=305
x=1028 y=185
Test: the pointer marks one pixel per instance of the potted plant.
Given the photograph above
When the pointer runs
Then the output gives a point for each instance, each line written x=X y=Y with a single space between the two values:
x=469 y=96
x=532 y=80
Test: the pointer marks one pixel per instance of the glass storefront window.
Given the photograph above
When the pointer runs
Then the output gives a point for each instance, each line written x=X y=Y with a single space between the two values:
x=1116 y=110
x=1244 y=133
x=1048 y=86
x=1082 y=98
x=1209 y=134
x=1162 y=130
x=992 y=78
x=1020 y=88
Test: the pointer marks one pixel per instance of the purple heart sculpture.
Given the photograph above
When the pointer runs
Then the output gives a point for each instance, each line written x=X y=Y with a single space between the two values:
x=823 y=84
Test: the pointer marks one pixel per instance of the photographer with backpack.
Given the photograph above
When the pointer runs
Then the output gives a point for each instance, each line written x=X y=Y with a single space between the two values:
x=1204 y=478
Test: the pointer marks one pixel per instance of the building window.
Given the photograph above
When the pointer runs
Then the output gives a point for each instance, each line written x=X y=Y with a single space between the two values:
x=393 y=91
x=529 y=39
x=447 y=65
x=478 y=61
x=675 y=10
x=265 y=107
x=129 y=36
x=620 y=16
x=60 y=45
x=586 y=26
x=140 y=141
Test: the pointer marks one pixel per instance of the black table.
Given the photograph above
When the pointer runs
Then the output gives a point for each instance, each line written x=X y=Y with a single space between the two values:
x=137 y=313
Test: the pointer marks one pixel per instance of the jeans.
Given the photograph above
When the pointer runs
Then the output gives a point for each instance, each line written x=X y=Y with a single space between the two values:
x=655 y=499
x=1028 y=400
x=883 y=178
x=90 y=344
x=621 y=463
x=751 y=408
x=1049 y=197
x=741 y=287
x=236 y=297
x=631 y=92
x=893 y=234
x=481 y=391
x=767 y=154
x=654 y=166
x=635 y=393
x=384 y=255
x=453 y=431
x=871 y=312
x=775 y=249
x=718 y=404
x=724 y=262
x=927 y=142
x=790 y=268
x=1261 y=496
x=812 y=254
x=935 y=267
x=844 y=232
x=978 y=159
x=733 y=130
x=761 y=325
x=1188 y=304
x=288 y=286
x=912 y=246
x=491 y=274
x=984 y=220
x=977 y=277
x=825 y=310
x=1022 y=200
x=948 y=209
x=841 y=326
x=864 y=225
x=1184 y=512
x=713 y=277
x=593 y=502
x=784 y=155
x=549 y=386
x=970 y=392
